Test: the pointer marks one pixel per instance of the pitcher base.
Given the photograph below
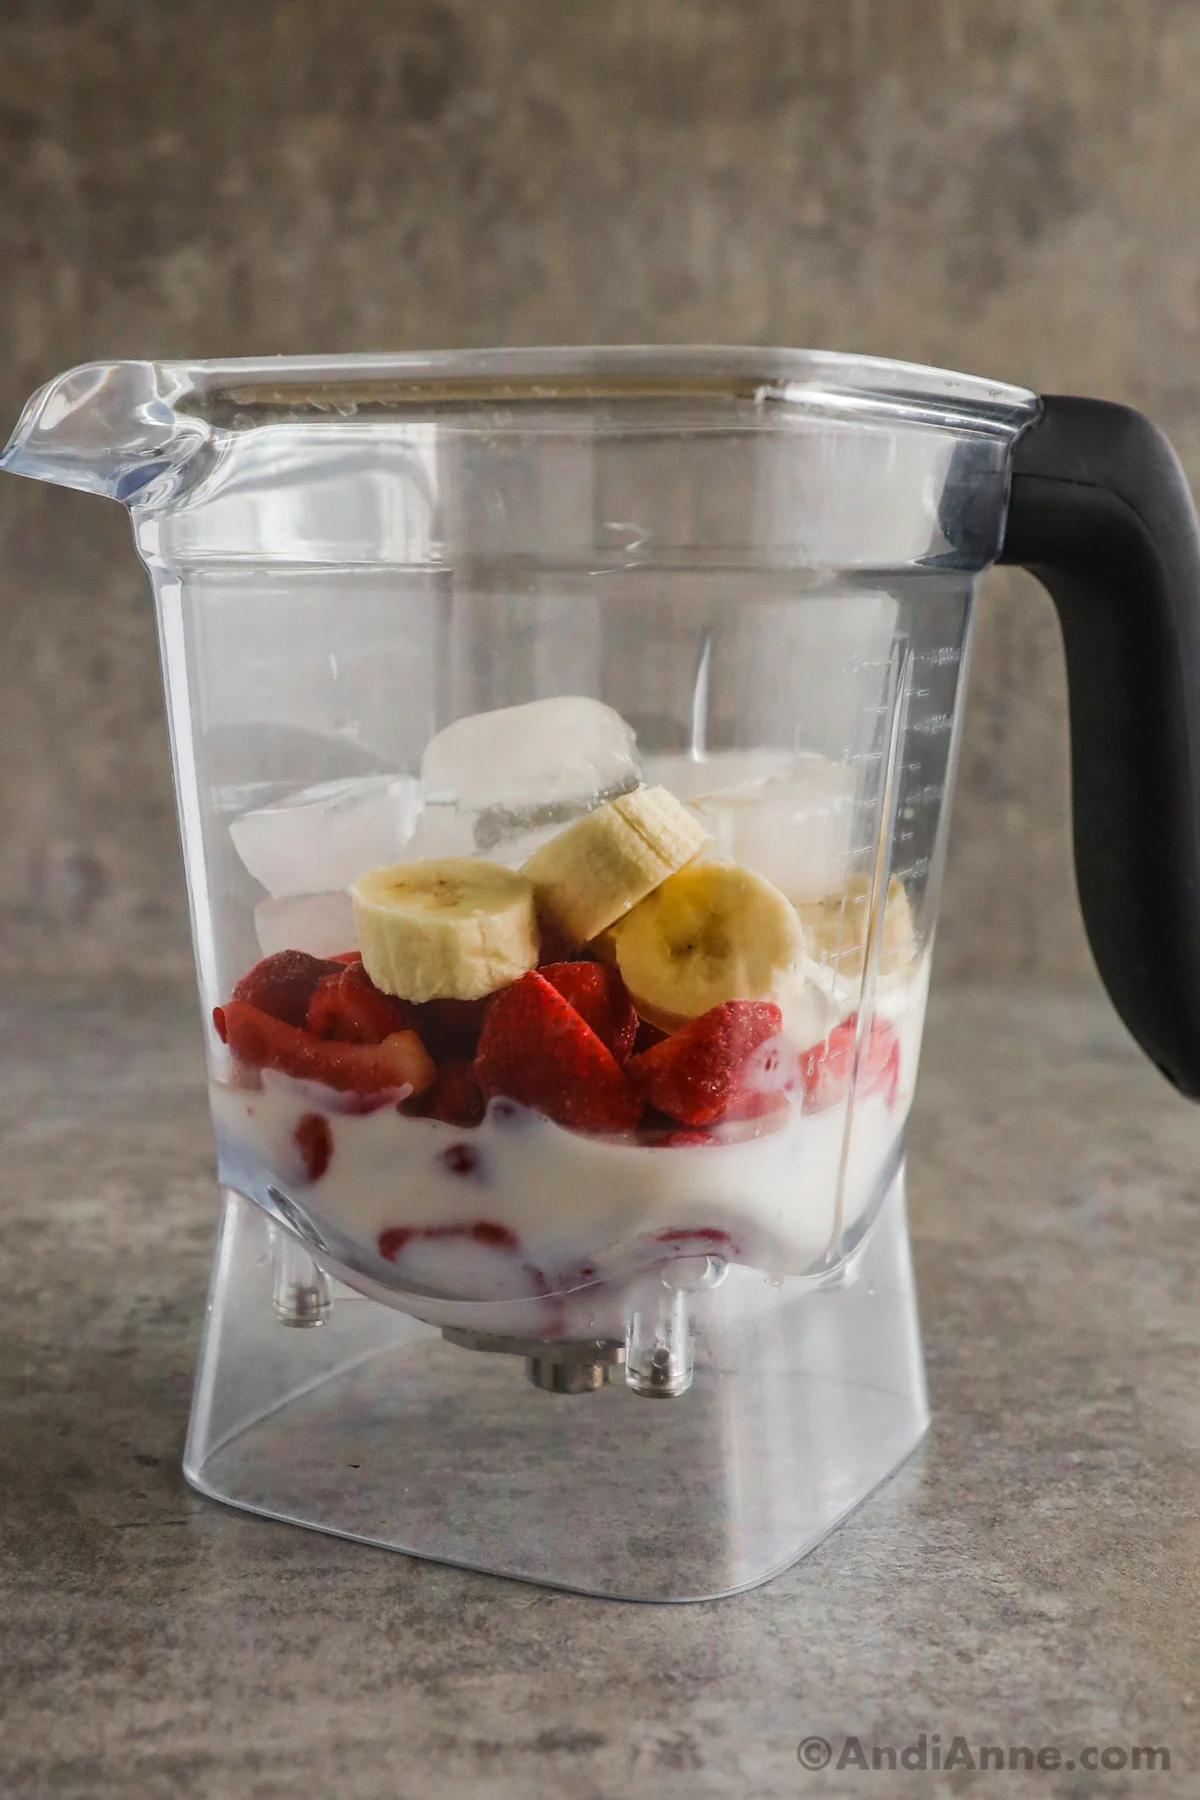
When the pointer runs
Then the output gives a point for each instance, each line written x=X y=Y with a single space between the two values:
x=375 y=1427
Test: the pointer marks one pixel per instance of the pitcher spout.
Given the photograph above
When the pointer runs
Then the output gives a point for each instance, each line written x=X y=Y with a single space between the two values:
x=110 y=428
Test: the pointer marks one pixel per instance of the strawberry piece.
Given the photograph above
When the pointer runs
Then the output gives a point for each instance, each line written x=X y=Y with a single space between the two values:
x=347 y=956
x=883 y=1061
x=282 y=985
x=450 y=1028
x=460 y=1159
x=827 y=1067
x=657 y=1132
x=771 y=1076
x=696 y=1075
x=323 y=1013
x=881 y=1067
x=598 y=995
x=349 y=1007
x=314 y=1140
x=397 y=1238
x=711 y=1236
x=267 y=1043
x=535 y=1048
x=455 y=1098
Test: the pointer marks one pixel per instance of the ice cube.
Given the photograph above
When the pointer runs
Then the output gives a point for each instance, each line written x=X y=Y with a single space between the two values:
x=571 y=752
x=510 y=835
x=322 y=924
x=321 y=838
x=789 y=816
x=441 y=831
x=691 y=777
x=520 y=834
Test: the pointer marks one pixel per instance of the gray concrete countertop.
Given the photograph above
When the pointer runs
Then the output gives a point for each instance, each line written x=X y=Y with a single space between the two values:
x=1031 y=1577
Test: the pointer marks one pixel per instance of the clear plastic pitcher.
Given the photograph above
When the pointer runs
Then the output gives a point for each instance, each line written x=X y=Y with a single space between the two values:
x=563 y=743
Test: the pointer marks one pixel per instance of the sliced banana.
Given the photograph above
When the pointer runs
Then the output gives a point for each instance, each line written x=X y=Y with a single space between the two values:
x=593 y=872
x=455 y=928
x=836 y=928
x=712 y=932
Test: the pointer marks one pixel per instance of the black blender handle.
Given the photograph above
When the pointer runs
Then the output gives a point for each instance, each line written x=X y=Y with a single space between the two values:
x=1100 y=512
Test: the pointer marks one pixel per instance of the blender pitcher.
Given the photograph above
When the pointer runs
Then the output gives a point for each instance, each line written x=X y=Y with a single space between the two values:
x=562 y=743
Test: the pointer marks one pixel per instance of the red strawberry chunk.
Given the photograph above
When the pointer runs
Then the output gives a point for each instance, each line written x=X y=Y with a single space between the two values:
x=397 y=1238
x=314 y=1140
x=829 y=1066
x=323 y=1014
x=450 y=1028
x=881 y=1061
x=535 y=1048
x=657 y=1132
x=598 y=995
x=455 y=1097
x=282 y=985
x=772 y=1076
x=348 y=1006
x=696 y=1075
x=266 y=1043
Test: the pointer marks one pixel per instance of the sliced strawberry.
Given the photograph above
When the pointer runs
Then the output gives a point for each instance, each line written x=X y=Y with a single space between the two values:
x=314 y=1140
x=598 y=995
x=710 y=1236
x=883 y=1062
x=696 y=1075
x=772 y=1076
x=282 y=985
x=266 y=1043
x=347 y=956
x=349 y=1007
x=535 y=1048
x=450 y=1028
x=397 y=1238
x=323 y=1014
x=657 y=1132
x=455 y=1098
x=881 y=1065
x=828 y=1066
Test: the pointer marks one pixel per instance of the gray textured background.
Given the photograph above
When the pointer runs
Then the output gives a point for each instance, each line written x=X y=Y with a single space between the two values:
x=1003 y=185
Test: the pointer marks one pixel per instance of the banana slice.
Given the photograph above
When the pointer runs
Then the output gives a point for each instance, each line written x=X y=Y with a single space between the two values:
x=836 y=928
x=593 y=872
x=710 y=933
x=455 y=928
